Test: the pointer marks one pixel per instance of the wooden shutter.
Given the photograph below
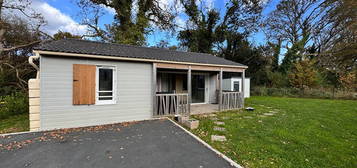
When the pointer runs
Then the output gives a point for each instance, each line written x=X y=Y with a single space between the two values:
x=84 y=84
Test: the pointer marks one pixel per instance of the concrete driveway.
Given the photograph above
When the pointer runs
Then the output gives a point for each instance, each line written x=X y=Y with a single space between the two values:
x=156 y=143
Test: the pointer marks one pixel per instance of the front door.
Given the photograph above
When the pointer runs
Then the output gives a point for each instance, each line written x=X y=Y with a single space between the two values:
x=198 y=88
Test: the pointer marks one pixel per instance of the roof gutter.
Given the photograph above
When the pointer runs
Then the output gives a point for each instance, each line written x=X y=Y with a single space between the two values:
x=130 y=59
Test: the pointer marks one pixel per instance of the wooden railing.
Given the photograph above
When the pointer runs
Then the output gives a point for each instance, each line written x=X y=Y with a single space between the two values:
x=232 y=100
x=171 y=104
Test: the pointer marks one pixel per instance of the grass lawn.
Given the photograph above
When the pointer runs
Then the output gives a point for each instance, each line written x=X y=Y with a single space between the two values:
x=16 y=123
x=288 y=132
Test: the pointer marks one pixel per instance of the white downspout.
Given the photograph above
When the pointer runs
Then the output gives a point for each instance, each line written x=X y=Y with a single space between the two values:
x=31 y=58
x=34 y=97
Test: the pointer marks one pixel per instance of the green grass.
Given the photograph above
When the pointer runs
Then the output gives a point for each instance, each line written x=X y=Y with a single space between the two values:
x=15 y=123
x=303 y=133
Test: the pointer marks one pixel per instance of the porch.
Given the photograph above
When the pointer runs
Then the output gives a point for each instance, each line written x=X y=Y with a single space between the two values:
x=192 y=89
x=204 y=108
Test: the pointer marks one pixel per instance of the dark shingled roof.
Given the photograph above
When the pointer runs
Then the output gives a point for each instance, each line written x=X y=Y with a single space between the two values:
x=129 y=51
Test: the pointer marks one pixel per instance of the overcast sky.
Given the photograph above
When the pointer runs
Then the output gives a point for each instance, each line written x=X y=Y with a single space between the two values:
x=63 y=15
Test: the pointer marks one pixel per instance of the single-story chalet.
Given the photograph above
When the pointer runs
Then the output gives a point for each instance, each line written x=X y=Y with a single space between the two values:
x=83 y=83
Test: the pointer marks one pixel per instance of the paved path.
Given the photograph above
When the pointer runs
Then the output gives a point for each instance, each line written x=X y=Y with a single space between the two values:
x=157 y=143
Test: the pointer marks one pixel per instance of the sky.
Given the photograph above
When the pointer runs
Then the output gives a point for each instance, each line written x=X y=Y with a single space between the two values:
x=63 y=15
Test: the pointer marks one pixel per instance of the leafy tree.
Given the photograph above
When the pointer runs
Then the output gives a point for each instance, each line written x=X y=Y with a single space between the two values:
x=276 y=79
x=202 y=38
x=303 y=74
x=239 y=49
x=130 y=24
x=208 y=31
x=295 y=53
x=65 y=35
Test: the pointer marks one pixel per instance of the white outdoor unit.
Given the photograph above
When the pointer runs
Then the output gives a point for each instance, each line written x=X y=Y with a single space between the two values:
x=235 y=84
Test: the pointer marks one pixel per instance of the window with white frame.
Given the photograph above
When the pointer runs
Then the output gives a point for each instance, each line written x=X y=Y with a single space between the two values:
x=236 y=86
x=105 y=87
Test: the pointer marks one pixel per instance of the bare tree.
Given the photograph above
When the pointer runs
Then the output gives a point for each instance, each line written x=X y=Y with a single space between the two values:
x=305 y=26
x=91 y=15
x=293 y=20
x=19 y=32
x=340 y=42
x=22 y=7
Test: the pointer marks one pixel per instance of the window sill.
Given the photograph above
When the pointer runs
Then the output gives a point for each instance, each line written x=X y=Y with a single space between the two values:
x=106 y=103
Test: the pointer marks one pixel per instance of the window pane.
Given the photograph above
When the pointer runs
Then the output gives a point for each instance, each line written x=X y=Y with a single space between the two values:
x=105 y=98
x=105 y=93
x=236 y=86
x=105 y=79
x=184 y=83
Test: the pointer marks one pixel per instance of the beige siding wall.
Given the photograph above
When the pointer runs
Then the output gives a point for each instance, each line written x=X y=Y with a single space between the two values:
x=34 y=104
x=134 y=96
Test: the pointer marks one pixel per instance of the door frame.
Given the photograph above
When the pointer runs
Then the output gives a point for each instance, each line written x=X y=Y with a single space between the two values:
x=207 y=84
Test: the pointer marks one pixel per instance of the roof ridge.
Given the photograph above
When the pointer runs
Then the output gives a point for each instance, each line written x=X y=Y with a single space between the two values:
x=128 y=45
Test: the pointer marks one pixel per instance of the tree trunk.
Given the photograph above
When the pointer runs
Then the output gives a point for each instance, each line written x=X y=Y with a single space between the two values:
x=1 y=3
x=2 y=30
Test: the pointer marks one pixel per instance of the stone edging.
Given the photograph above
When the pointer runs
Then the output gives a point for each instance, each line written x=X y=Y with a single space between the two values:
x=233 y=163
x=45 y=130
x=17 y=133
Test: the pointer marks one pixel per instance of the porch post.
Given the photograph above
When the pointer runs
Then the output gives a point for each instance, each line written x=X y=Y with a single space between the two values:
x=243 y=83
x=220 y=90
x=154 y=79
x=189 y=89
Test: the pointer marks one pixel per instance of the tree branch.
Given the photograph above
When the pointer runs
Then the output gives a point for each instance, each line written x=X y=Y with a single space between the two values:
x=21 y=81
x=20 y=46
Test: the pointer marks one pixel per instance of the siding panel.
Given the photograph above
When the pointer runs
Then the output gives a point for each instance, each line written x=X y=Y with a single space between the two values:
x=134 y=99
x=213 y=88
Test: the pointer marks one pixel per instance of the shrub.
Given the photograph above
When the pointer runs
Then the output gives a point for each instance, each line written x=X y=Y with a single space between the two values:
x=303 y=74
x=14 y=104
x=277 y=79
x=349 y=81
x=324 y=93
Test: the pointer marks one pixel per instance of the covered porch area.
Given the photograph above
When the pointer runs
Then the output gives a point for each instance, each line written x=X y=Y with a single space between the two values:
x=181 y=89
x=204 y=108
